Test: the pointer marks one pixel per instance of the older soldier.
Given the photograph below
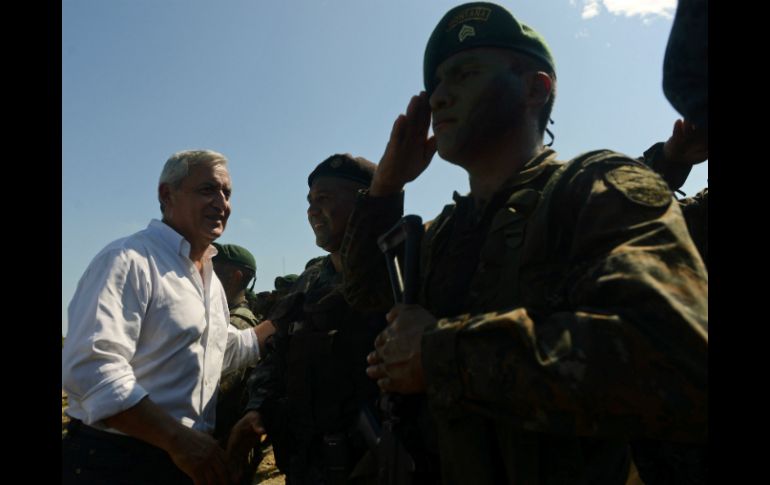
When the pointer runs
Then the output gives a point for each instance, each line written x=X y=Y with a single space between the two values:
x=309 y=389
x=148 y=339
x=563 y=307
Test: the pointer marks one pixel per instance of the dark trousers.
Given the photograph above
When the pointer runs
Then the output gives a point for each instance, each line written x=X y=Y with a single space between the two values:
x=91 y=456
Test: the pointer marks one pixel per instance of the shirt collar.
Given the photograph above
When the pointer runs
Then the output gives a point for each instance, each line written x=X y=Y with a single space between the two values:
x=175 y=241
x=529 y=172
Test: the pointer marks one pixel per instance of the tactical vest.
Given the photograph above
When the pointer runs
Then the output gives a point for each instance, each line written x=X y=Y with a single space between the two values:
x=325 y=368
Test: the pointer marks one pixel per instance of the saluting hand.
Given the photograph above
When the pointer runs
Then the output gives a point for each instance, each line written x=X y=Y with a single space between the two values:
x=396 y=363
x=688 y=144
x=409 y=150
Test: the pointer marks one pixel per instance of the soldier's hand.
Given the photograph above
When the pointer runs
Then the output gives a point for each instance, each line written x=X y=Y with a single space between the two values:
x=199 y=456
x=409 y=149
x=396 y=363
x=243 y=437
x=688 y=145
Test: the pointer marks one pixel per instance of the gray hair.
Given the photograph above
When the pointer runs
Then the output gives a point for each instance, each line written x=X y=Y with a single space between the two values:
x=178 y=166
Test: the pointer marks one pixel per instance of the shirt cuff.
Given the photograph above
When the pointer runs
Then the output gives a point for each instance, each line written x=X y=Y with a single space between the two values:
x=111 y=398
x=251 y=341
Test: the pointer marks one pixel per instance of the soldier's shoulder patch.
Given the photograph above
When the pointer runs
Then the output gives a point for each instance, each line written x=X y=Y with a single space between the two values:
x=639 y=185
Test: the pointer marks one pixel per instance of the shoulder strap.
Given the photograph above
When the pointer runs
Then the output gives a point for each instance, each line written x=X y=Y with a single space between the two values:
x=244 y=314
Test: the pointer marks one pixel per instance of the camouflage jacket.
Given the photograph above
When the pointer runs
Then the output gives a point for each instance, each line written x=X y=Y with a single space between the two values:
x=572 y=318
x=232 y=386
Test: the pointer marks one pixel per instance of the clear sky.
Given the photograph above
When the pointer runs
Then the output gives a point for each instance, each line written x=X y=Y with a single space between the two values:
x=279 y=86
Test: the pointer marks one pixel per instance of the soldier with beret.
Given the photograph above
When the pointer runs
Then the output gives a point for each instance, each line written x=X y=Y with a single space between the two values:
x=310 y=387
x=236 y=268
x=563 y=306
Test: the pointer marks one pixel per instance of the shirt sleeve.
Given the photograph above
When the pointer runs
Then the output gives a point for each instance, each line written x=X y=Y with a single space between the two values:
x=242 y=349
x=622 y=348
x=105 y=319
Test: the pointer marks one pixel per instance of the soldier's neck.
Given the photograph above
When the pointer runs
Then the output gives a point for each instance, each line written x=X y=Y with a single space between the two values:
x=488 y=174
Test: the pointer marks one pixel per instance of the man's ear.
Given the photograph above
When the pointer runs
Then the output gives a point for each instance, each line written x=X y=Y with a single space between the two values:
x=164 y=194
x=540 y=88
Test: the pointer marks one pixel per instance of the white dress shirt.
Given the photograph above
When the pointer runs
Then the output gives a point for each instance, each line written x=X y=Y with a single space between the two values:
x=143 y=323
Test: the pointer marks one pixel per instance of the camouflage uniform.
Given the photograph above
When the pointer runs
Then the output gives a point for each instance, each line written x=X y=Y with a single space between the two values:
x=311 y=384
x=233 y=395
x=232 y=386
x=695 y=209
x=573 y=317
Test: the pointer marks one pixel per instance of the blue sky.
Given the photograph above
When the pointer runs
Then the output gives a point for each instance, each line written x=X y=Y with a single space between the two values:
x=279 y=86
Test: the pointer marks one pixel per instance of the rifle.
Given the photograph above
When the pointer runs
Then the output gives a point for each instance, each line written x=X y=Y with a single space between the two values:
x=395 y=465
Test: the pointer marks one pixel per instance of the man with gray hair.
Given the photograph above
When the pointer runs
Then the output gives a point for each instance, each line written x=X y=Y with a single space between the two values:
x=148 y=339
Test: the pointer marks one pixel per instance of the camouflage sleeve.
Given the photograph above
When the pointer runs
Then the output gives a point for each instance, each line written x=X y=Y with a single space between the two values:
x=696 y=214
x=365 y=278
x=620 y=349
x=675 y=174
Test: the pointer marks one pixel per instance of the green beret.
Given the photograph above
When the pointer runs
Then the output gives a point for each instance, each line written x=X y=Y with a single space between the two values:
x=283 y=283
x=480 y=24
x=344 y=166
x=230 y=253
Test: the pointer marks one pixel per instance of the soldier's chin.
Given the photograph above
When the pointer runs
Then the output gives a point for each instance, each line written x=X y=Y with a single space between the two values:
x=449 y=153
x=323 y=243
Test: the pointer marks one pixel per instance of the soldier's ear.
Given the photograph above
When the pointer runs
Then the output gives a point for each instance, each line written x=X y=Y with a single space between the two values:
x=540 y=87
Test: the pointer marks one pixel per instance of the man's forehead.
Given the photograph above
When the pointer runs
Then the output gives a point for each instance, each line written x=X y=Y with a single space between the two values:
x=487 y=55
x=333 y=184
x=209 y=173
